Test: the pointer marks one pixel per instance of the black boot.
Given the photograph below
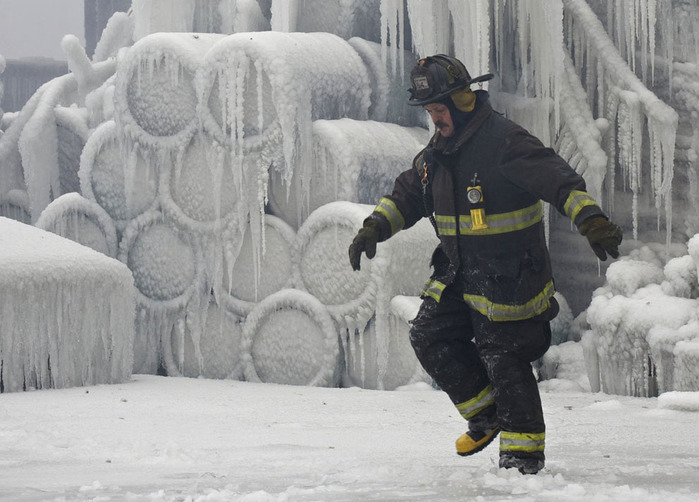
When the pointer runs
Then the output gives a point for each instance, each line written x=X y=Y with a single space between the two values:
x=524 y=464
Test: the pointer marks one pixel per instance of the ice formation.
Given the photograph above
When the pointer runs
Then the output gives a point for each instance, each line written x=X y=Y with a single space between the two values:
x=67 y=312
x=229 y=159
x=643 y=323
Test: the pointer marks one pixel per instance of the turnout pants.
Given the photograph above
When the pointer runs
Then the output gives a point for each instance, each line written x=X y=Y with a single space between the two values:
x=485 y=368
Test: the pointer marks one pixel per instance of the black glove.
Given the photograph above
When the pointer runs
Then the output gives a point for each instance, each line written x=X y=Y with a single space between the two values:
x=365 y=240
x=603 y=235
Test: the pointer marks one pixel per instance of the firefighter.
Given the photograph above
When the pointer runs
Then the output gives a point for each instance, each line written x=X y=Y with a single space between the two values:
x=486 y=308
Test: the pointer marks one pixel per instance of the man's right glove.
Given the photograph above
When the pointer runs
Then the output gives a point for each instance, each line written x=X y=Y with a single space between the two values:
x=365 y=240
x=603 y=235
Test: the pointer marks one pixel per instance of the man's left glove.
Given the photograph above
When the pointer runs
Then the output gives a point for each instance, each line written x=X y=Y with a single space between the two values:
x=603 y=235
x=365 y=240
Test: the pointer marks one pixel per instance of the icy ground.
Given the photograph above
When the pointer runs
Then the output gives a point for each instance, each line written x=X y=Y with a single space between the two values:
x=179 y=439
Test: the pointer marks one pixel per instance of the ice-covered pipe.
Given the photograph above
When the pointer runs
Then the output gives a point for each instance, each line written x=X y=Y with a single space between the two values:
x=401 y=265
x=353 y=160
x=246 y=279
x=81 y=220
x=290 y=338
x=155 y=100
x=123 y=183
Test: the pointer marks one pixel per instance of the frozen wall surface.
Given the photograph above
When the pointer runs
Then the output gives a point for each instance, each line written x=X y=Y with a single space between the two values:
x=67 y=312
x=227 y=151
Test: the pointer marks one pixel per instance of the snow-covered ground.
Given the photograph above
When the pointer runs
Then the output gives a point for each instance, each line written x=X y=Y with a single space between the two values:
x=181 y=439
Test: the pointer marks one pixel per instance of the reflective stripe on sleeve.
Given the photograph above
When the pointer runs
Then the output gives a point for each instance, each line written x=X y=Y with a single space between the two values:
x=434 y=289
x=576 y=201
x=522 y=441
x=387 y=208
x=471 y=407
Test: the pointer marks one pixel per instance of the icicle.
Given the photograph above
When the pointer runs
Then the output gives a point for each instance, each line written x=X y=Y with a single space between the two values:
x=284 y=15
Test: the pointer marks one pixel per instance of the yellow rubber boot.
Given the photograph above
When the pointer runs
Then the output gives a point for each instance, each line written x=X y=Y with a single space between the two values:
x=474 y=441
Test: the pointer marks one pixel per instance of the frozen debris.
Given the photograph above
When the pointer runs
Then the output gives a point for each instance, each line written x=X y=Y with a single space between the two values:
x=29 y=150
x=643 y=323
x=82 y=334
x=563 y=368
x=88 y=75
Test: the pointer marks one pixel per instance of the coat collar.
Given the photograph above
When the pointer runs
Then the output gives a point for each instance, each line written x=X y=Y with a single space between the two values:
x=449 y=145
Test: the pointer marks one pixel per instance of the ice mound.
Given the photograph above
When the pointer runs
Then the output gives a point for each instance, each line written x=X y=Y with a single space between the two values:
x=67 y=312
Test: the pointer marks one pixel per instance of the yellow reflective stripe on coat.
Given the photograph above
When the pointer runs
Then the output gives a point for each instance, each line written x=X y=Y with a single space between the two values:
x=473 y=406
x=502 y=312
x=434 y=289
x=576 y=201
x=390 y=211
x=499 y=223
x=522 y=441
x=446 y=225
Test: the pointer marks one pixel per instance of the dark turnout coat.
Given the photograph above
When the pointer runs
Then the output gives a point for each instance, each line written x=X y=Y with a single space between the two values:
x=501 y=268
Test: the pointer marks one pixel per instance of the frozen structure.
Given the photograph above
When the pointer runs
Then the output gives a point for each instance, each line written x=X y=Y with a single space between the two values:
x=67 y=312
x=227 y=151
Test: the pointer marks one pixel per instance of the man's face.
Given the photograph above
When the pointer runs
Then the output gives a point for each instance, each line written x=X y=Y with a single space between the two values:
x=439 y=113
